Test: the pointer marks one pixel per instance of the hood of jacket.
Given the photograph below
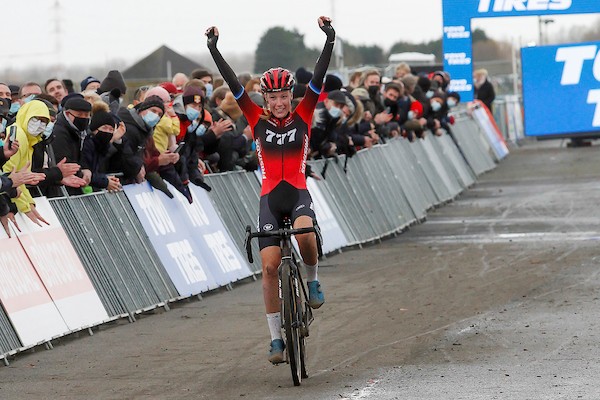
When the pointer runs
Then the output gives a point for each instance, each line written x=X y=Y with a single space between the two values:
x=34 y=108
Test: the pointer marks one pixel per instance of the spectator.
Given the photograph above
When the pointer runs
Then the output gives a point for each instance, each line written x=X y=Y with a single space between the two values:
x=253 y=85
x=90 y=83
x=103 y=131
x=197 y=131
x=217 y=97
x=327 y=116
x=355 y=79
x=232 y=147
x=69 y=132
x=44 y=160
x=244 y=78
x=14 y=93
x=484 y=90
x=56 y=88
x=402 y=70
x=112 y=89
x=30 y=124
x=179 y=80
x=206 y=77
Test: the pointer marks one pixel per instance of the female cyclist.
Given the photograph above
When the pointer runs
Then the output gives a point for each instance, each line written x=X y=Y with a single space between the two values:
x=282 y=145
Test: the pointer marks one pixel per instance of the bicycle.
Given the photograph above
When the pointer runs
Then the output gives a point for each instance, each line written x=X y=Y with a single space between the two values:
x=296 y=315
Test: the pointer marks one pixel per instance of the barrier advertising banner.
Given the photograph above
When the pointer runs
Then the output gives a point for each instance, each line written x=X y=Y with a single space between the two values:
x=190 y=239
x=457 y=40
x=333 y=236
x=568 y=74
x=58 y=266
x=28 y=305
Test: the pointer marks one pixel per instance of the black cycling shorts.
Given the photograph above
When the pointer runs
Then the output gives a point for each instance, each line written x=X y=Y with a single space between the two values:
x=283 y=201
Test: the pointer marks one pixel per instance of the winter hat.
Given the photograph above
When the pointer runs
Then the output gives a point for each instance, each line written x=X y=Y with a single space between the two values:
x=338 y=96
x=151 y=101
x=361 y=94
x=303 y=75
x=417 y=108
x=4 y=106
x=192 y=94
x=230 y=106
x=258 y=98
x=77 y=103
x=160 y=92
x=113 y=80
x=69 y=97
x=299 y=91
x=87 y=81
x=424 y=83
x=169 y=87
x=101 y=116
x=332 y=82
x=455 y=95
x=14 y=89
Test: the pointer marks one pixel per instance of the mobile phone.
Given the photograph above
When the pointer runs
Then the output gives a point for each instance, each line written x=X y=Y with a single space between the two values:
x=179 y=147
x=12 y=136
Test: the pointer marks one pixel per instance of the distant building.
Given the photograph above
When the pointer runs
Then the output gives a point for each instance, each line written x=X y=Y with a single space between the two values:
x=160 y=65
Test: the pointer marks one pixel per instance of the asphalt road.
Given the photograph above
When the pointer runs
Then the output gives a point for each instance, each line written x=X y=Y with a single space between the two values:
x=495 y=296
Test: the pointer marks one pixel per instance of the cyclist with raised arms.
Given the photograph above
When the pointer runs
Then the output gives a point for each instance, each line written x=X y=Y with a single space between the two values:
x=282 y=145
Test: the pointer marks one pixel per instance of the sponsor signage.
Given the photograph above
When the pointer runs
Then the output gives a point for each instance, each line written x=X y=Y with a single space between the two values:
x=457 y=41
x=568 y=75
x=190 y=239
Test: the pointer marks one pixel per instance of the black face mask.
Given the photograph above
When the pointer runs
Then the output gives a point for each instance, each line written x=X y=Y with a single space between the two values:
x=392 y=105
x=80 y=123
x=373 y=90
x=104 y=137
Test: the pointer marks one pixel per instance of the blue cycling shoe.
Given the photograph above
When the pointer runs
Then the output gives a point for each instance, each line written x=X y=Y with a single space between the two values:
x=276 y=351
x=316 y=298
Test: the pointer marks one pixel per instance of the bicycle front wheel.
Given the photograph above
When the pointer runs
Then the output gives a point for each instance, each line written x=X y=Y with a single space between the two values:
x=289 y=303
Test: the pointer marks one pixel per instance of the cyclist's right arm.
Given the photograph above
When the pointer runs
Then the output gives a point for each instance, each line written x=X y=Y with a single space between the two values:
x=249 y=108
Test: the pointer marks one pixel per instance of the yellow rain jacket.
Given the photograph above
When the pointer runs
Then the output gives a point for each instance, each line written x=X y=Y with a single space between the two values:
x=34 y=108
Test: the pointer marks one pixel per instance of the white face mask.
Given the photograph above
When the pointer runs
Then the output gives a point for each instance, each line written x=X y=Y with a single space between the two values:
x=451 y=102
x=436 y=106
x=411 y=115
x=35 y=126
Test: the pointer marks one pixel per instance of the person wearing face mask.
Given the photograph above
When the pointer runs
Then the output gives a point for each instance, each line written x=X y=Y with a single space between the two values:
x=327 y=117
x=70 y=129
x=206 y=77
x=141 y=151
x=197 y=130
x=103 y=131
x=31 y=122
x=436 y=113
x=44 y=160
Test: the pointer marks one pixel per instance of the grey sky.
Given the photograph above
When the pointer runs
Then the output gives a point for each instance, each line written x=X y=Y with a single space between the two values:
x=96 y=32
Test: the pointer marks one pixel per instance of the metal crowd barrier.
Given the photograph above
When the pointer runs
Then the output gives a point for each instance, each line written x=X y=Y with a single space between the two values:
x=9 y=340
x=114 y=249
x=508 y=113
x=236 y=198
x=470 y=141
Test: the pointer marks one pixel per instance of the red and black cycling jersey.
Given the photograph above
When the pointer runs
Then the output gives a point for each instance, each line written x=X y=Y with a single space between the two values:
x=282 y=145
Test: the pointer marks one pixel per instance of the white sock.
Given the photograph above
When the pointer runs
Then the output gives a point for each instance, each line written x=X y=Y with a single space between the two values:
x=274 y=321
x=311 y=272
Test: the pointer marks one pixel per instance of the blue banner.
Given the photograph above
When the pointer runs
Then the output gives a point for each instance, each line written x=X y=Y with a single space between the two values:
x=190 y=239
x=457 y=39
x=561 y=89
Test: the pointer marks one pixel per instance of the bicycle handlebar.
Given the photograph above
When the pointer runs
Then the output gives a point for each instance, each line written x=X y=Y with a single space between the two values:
x=281 y=233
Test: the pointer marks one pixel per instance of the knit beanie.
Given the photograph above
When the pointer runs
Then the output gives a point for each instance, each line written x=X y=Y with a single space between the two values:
x=151 y=101
x=160 y=92
x=101 y=116
x=192 y=94
x=114 y=80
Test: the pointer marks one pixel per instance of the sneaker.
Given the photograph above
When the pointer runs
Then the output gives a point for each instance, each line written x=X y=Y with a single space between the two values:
x=276 y=351
x=316 y=298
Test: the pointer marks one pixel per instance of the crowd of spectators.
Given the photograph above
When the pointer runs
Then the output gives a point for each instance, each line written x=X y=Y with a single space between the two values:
x=57 y=141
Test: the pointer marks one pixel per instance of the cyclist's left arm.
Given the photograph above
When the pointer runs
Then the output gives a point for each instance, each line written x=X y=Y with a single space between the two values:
x=308 y=103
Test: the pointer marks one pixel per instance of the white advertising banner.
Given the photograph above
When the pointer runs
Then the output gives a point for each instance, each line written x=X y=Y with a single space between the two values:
x=333 y=236
x=60 y=270
x=28 y=305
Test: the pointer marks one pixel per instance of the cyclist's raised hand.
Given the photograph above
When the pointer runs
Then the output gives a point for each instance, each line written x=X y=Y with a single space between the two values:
x=212 y=35
x=325 y=25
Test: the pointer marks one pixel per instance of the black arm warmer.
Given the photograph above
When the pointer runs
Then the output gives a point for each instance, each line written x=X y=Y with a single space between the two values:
x=226 y=71
x=322 y=65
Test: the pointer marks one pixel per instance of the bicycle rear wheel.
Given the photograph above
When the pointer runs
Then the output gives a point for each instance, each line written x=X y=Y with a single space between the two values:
x=289 y=313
